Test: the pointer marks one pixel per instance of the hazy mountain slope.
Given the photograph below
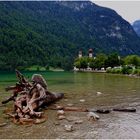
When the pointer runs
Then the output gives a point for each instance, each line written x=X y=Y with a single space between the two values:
x=136 y=26
x=51 y=33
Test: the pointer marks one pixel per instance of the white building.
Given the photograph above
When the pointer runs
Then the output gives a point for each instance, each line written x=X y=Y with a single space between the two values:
x=80 y=54
x=90 y=52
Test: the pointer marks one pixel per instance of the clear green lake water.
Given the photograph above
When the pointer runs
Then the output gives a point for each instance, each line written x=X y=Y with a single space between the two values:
x=117 y=91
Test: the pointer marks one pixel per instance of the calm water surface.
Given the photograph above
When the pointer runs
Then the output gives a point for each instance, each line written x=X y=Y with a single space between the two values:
x=117 y=91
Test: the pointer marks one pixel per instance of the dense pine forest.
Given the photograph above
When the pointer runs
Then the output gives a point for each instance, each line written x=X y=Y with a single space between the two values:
x=52 y=33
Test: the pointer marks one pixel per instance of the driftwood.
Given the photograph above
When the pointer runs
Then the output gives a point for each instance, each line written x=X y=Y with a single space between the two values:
x=77 y=109
x=125 y=109
x=29 y=97
x=101 y=111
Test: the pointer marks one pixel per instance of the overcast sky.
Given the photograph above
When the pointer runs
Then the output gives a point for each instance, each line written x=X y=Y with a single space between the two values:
x=129 y=10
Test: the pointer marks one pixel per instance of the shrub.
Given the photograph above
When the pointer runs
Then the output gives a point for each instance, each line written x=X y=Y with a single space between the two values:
x=127 y=70
x=137 y=72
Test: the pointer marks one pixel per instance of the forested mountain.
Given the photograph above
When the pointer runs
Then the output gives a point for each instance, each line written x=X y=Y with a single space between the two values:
x=136 y=26
x=52 y=33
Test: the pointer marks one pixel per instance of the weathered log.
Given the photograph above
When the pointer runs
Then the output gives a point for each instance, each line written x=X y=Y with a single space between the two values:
x=52 y=97
x=29 y=98
x=103 y=111
x=125 y=109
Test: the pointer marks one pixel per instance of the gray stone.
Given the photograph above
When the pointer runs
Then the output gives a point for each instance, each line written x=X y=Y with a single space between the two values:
x=93 y=116
x=61 y=117
x=69 y=128
x=78 y=122
x=60 y=112
x=82 y=100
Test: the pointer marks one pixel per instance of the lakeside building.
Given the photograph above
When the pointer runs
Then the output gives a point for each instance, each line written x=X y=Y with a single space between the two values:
x=90 y=52
x=80 y=55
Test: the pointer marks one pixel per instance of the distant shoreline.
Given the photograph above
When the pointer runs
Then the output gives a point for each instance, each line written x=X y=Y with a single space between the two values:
x=93 y=71
x=100 y=71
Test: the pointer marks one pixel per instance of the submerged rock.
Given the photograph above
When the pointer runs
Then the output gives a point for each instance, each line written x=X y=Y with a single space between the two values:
x=70 y=104
x=66 y=100
x=82 y=100
x=59 y=107
x=3 y=124
x=78 y=122
x=69 y=128
x=56 y=123
x=61 y=117
x=72 y=118
x=60 y=112
x=38 y=121
x=99 y=93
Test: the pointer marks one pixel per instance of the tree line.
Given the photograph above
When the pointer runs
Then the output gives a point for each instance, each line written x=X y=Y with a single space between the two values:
x=105 y=61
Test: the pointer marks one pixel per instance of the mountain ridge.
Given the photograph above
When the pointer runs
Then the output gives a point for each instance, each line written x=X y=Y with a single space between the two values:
x=52 y=33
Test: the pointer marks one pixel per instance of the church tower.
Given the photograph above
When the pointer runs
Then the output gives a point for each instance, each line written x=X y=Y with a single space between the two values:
x=80 y=54
x=90 y=52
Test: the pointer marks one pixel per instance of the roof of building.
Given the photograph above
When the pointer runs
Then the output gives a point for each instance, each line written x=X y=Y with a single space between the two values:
x=90 y=50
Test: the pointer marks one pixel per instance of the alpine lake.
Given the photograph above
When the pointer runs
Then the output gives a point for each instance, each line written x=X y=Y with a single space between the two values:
x=90 y=90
